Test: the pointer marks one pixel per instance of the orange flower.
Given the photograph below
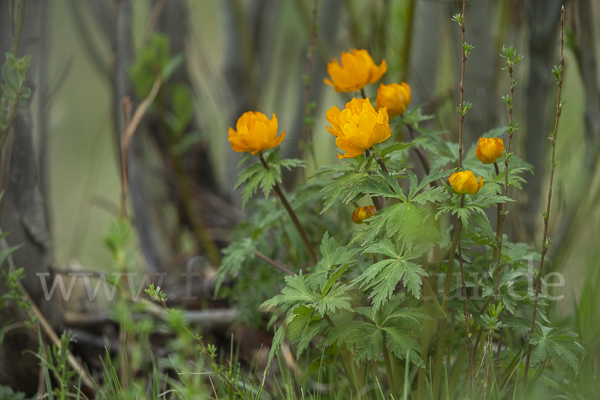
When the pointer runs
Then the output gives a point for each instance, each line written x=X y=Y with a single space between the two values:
x=465 y=182
x=361 y=213
x=394 y=97
x=357 y=71
x=489 y=150
x=358 y=127
x=255 y=132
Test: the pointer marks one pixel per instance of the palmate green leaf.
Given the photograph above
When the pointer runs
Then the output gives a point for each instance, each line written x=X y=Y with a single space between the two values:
x=332 y=255
x=416 y=186
x=392 y=312
x=366 y=338
x=401 y=220
x=472 y=215
x=521 y=324
x=440 y=151
x=384 y=275
x=558 y=345
x=376 y=185
x=400 y=343
x=256 y=175
x=335 y=298
x=303 y=325
x=510 y=286
x=235 y=254
x=250 y=178
x=485 y=229
x=414 y=116
x=297 y=291
x=398 y=146
x=384 y=246
x=488 y=200
x=433 y=195
x=343 y=186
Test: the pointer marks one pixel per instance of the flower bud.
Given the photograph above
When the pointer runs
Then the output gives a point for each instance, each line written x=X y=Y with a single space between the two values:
x=465 y=182
x=361 y=213
x=489 y=150
x=394 y=97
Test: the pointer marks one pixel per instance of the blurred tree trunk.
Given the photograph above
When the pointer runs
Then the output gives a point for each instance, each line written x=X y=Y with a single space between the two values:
x=543 y=17
x=425 y=51
x=240 y=42
x=585 y=53
x=24 y=212
x=163 y=184
x=122 y=45
x=328 y=18
x=585 y=56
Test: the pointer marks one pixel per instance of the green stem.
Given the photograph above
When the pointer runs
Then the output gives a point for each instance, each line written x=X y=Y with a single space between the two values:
x=426 y=333
x=441 y=350
x=292 y=213
x=20 y=22
x=377 y=200
x=10 y=120
x=545 y=244
x=389 y=369
x=353 y=375
x=431 y=293
x=362 y=93
x=466 y=311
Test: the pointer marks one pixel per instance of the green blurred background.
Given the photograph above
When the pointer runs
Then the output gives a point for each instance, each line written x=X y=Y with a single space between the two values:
x=83 y=163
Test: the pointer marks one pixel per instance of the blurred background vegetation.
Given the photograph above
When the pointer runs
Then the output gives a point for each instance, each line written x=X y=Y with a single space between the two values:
x=269 y=41
x=242 y=55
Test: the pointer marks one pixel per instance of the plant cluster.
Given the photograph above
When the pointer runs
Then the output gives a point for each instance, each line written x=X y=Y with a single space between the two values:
x=427 y=296
x=382 y=273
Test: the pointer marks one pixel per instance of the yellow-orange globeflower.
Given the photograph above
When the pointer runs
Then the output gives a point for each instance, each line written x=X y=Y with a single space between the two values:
x=489 y=150
x=358 y=127
x=361 y=213
x=465 y=182
x=395 y=97
x=255 y=132
x=356 y=71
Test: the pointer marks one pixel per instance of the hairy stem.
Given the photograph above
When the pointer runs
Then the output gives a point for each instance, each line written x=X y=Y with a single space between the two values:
x=545 y=239
x=20 y=22
x=461 y=87
x=502 y=206
x=462 y=201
